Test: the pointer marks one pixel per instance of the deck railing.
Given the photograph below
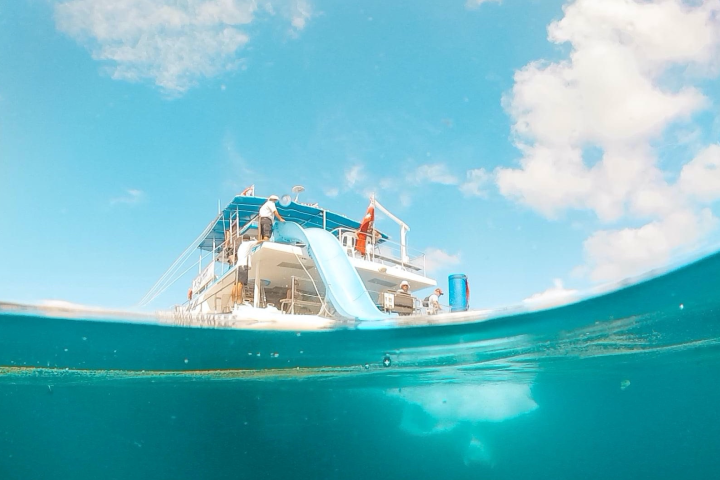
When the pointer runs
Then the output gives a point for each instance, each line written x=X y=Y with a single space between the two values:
x=384 y=252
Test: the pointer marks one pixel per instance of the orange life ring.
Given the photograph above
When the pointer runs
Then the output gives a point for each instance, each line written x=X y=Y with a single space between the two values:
x=189 y=293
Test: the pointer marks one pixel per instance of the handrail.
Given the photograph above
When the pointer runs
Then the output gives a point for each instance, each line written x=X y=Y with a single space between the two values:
x=296 y=296
x=377 y=255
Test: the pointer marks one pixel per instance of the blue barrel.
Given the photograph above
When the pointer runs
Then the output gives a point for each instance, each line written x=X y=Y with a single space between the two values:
x=458 y=292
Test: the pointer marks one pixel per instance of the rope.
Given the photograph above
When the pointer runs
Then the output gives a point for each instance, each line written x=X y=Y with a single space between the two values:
x=161 y=284
x=170 y=284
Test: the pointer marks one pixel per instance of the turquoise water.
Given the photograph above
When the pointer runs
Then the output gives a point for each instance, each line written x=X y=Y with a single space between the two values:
x=621 y=386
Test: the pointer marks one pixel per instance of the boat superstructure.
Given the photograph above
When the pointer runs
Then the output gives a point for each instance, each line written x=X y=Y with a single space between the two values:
x=313 y=267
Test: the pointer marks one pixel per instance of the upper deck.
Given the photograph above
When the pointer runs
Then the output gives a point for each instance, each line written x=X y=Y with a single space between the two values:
x=242 y=214
x=239 y=219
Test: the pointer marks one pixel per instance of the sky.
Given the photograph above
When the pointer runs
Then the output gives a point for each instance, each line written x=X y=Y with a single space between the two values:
x=541 y=147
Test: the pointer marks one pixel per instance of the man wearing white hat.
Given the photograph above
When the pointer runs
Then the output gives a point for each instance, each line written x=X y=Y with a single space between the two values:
x=404 y=287
x=267 y=211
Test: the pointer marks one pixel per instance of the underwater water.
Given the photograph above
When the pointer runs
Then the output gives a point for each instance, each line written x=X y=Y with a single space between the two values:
x=621 y=386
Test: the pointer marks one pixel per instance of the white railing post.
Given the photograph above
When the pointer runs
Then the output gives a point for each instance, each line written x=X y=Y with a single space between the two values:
x=403 y=229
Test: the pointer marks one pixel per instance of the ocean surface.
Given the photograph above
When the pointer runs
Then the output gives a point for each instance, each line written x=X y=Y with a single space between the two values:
x=620 y=386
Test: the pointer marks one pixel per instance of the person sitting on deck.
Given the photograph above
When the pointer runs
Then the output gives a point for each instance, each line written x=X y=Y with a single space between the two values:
x=267 y=211
x=404 y=303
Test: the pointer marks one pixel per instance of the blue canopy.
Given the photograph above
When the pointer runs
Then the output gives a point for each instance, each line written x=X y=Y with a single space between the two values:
x=245 y=208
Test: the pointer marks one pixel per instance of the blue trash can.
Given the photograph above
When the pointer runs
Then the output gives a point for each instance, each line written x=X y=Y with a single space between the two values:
x=459 y=292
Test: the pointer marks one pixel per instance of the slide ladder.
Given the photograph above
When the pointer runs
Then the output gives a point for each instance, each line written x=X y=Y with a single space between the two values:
x=344 y=286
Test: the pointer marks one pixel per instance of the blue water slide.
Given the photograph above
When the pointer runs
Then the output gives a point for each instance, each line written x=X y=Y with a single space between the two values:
x=344 y=287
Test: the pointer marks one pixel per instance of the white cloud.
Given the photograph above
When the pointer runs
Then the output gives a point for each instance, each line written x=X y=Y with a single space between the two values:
x=554 y=296
x=701 y=177
x=300 y=14
x=625 y=82
x=77 y=307
x=550 y=179
x=473 y=4
x=132 y=196
x=238 y=163
x=616 y=254
x=405 y=200
x=172 y=43
x=332 y=192
x=387 y=183
x=476 y=179
x=405 y=185
x=432 y=173
x=354 y=175
x=65 y=304
x=66 y=309
x=653 y=32
x=436 y=259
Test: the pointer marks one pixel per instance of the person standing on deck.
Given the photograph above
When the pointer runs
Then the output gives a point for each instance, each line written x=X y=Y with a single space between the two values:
x=241 y=272
x=266 y=214
x=241 y=279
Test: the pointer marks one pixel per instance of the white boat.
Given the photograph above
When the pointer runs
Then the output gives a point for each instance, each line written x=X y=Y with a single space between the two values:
x=312 y=274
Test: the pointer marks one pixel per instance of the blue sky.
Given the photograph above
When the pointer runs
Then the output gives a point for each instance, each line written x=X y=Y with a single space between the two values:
x=537 y=146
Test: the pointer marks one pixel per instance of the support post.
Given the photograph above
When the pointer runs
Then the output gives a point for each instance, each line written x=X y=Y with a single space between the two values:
x=256 y=300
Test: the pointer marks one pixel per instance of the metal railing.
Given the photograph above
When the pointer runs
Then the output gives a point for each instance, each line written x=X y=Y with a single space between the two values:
x=384 y=252
x=302 y=297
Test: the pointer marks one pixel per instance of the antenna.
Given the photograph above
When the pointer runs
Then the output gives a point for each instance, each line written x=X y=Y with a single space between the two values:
x=297 y=189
